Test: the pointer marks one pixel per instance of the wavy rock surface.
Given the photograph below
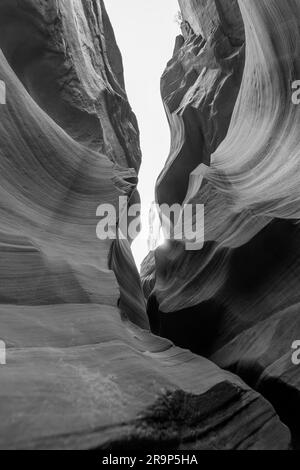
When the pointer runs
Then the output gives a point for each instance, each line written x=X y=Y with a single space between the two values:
x=82 y=373
x=79 y=378
x=235 y=148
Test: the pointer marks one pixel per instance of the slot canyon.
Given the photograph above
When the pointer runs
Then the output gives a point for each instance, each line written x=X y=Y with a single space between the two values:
x=195 y=351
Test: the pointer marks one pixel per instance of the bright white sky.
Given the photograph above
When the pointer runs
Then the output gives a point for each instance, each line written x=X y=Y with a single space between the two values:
x=145 y=31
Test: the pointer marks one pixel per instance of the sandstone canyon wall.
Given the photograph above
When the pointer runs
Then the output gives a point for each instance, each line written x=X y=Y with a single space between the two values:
x=82 y=369
x=235 y=148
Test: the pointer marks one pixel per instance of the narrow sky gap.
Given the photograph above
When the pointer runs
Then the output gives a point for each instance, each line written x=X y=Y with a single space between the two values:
x=146 y=32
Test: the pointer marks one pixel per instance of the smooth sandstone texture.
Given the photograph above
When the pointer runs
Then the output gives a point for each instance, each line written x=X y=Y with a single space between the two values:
x=236 y=300
x=82 y=373
x=78 y=377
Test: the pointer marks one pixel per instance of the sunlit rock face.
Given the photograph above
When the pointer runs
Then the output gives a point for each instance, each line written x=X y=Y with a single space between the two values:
x=228 y=96
x=80 y=372
x=69 y=142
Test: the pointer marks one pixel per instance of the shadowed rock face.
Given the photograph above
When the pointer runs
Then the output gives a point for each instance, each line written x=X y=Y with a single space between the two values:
x=69 y=143
x=199 y=90
x=57 y=43
x=236 y=300
x=82 y=373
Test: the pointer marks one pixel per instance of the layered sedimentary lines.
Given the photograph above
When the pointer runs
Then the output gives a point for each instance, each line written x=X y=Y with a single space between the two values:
x=79 y=378
x=237 y=299
x=199 y=89
x=69 y=142
x=81 y=372
x=66 y=57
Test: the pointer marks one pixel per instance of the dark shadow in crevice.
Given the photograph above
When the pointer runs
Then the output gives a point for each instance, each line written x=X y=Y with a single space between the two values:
x=185 y=328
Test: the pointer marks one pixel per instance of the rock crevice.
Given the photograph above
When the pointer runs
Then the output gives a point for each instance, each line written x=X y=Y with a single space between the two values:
x=83 y=369
x=230 y=107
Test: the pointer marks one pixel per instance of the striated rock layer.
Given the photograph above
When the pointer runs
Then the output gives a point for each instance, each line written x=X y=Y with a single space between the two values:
x=83 y=370
x=235 y=148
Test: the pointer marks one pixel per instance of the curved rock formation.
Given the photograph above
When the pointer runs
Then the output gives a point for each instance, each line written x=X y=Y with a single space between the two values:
x=236 y=300
x=80 y=372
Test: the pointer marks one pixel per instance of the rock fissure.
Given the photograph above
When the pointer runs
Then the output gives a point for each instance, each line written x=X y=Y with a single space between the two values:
x=84 y=370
